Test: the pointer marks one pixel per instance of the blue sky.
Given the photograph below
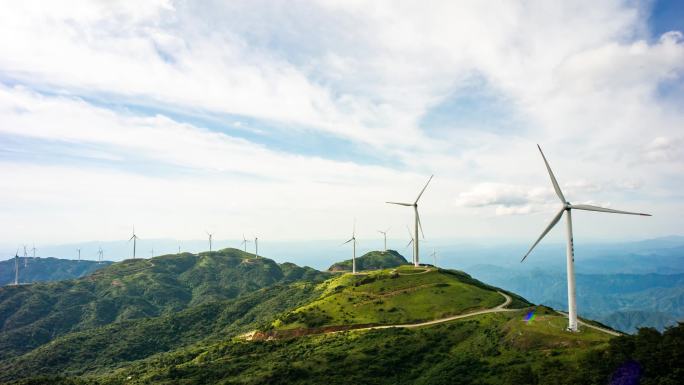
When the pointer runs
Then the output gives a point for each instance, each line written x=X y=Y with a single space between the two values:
x=289 y=121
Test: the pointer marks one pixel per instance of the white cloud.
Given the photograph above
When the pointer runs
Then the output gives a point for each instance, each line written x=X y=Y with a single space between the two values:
x=583 y=84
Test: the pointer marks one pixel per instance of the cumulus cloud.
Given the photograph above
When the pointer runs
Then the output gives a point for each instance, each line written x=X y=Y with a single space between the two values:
x=583 y=84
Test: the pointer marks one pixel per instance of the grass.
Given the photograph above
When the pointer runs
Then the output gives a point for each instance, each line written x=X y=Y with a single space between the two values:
x=407 y=295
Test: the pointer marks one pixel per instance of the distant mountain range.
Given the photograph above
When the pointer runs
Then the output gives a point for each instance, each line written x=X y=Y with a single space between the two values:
x=46 y=269
x=623 y=301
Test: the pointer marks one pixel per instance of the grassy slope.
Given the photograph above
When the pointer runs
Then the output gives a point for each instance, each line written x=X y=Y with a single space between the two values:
x=391 y=296
x=373 y=260
x=485 y=349
x=33 y=315
x=119 y=343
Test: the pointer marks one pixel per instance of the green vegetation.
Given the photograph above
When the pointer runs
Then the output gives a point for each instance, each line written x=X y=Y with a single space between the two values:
x=403 y=295
x=47 y=269
x=374 y=260
x=33 y=315
x=185 y=319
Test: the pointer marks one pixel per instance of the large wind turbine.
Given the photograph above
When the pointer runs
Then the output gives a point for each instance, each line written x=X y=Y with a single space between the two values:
x=210 y=238
x=353 y=240
x=134 y=238
x=570 y=253
x=384 y=235
x=416 y=250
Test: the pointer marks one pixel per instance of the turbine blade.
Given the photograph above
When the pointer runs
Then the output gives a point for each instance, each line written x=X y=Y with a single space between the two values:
x=409 y=244
x=350 y=239
x=553 y=178
x=605 y=210
x=546 y=231
x=423 y=190
x=400 y=204
x=131 y=238
x=420 y=225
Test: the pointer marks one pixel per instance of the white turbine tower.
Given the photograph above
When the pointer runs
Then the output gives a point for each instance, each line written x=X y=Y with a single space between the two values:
x=79 y=254
x=570 y=253
x=256 y=247
x=418 y=225
x=33 y=250
x=210 y=239
x=16 y=268
x=434 y=257
x=245 y=241
x=384 y=235
x=353 y=240
x=25 y=257
x=99 y=255
x=134 y=238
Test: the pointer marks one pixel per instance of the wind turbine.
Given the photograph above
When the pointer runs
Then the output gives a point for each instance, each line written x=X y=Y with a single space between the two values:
x=256 y=246
x=416 y=258
x=16 y=268
x=353 y=239
x=384 y=235
x=434 y=257
x=34 y=251
x=99 y=255
x=79 y=254
x=25 y=258
x=570 y=253
x=134 y=238
x=210 y=238
x=409 y=244
x=152 y=252
x=244 y=242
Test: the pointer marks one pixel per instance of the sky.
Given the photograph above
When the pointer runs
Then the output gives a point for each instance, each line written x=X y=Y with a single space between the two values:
x=295 y=120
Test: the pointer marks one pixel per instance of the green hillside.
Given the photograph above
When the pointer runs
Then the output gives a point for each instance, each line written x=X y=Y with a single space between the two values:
x=391 y=296
x=47 y=269
x=32 y=315
x=228 y=318
x=373 y=260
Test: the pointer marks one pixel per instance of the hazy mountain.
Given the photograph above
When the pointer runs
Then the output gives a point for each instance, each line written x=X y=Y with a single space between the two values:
x=47 y=269
x=619 y=300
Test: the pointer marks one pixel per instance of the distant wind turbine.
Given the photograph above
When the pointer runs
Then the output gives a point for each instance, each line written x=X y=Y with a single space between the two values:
x=79 y=254
x=134 y=238
x=413 y=251
x=152 y=252
x=384 y=235
x=99 y=255
x=256 y=246
x=434 y=257
x=16 y=268
x=570 y=253
x=245 y=241
x=210 y=238
x=418 y=225
x=25 y=258
x=34 y=251
x=353 y=240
